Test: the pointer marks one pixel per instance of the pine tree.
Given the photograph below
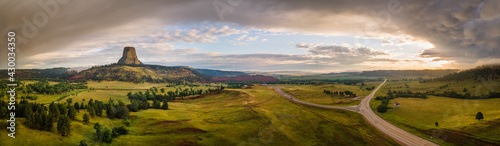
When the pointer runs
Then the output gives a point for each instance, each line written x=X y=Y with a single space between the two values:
x=54 y=111
x=72 y=113
x=110 y=111
x=30 y=120
x=479 y=116
x=156 y=104
x=77 y=106
x=64 y=125
x=98 y=109
x=106 y=135
x=165 y=104
x=28 y=110
x=91 y=111
x=49 y=122
x=42 y=120
x=62 y=109
x=86 y=119
x=98 y=130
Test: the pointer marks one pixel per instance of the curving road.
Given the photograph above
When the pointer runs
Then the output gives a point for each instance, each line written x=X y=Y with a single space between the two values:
x=398 y=134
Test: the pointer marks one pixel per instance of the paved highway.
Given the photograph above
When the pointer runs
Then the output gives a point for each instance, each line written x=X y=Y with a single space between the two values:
x=398 y=134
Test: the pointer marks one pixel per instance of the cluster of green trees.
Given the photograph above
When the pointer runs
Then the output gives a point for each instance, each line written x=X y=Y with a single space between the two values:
x=341 y=93
x=43 y=87
x=444 y=86
x=139 y=100
x=4 y=112
x=407 y=93
x=382 y=108
x=105 y=134
x=322 y=81
x=119 y=110
x=405 y=86
x=237 y=85
x=367 y=88
x=152 y=94
x=32 y=97
x=38 y=116
x=453 y=94
x=95 y=108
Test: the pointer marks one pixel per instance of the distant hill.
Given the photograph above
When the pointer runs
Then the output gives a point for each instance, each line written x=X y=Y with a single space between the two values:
x=245 y=78
x=343 y=73
x=140 y=73
x=407 y=73
x=478 y=73
x=53 y=73
x=220 y=73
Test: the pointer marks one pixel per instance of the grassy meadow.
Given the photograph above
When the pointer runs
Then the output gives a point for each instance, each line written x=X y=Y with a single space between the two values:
x=314 y=93
x=256 y=116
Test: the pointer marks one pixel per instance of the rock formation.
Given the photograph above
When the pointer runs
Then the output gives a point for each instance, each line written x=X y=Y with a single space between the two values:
x=129 y=56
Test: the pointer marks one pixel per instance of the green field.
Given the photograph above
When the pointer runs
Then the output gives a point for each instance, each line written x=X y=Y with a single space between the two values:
x=105 y=90
x=49 y=98
x=455 y=116
x=314 y=93
x=473 y=87
x=256 y=116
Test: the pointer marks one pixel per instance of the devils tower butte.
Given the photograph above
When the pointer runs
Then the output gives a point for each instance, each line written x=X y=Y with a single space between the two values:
x=129 y=56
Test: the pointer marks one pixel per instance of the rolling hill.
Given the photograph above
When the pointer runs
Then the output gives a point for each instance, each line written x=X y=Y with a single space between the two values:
x=478 y=73
x=140 y=73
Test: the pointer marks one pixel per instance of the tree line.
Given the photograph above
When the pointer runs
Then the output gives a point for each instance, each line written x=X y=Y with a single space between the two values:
x=40 y=117
x=139 y=100
x=43 y=87
x=341 y=93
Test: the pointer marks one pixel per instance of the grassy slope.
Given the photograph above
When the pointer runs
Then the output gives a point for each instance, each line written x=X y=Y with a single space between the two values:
x=314 y=93
x=105 y=95
x=131 y=73
x=450 y=113
x=237 y=116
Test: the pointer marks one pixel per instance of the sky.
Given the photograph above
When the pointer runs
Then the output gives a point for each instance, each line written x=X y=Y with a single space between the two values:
x=270 y=35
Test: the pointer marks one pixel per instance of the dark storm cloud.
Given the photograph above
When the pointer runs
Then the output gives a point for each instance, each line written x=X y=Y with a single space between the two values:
x=462 y=30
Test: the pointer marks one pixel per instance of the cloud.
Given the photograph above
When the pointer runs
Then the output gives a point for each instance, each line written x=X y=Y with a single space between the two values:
x=387 y=42
x=198 y=33
x=461 y=30
x=241 y=37
x=252 y=38
x=340 y=51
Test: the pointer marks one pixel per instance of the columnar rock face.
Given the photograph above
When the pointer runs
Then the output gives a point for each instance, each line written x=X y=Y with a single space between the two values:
x=129 y=56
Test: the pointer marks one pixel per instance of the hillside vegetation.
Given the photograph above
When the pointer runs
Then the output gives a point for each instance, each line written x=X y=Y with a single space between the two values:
x=54 y=73
x=407 y=73
x=220 y=73
x=140 y=73
x=479 y=73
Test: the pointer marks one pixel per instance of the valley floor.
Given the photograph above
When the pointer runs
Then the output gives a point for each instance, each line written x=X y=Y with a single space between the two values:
x=256 y=116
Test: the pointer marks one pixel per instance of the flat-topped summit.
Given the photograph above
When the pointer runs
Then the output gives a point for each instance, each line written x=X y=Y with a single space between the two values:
x=129 y=56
